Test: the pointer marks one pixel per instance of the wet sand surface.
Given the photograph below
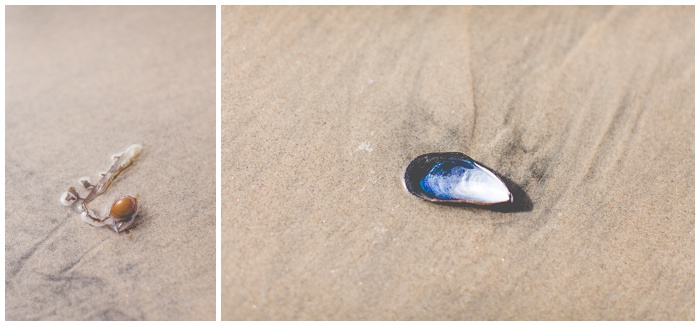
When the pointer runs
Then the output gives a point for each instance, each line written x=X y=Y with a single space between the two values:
x=589 y=110
x=82 y=84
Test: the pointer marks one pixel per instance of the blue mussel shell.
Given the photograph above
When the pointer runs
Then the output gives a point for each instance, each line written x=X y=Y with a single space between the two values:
x=454 y=178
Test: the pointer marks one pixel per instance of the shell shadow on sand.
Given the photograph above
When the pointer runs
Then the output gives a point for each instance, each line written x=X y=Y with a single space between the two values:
x=521 y=201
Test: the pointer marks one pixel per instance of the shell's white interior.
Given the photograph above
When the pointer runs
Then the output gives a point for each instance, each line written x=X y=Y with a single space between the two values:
x=461 y=183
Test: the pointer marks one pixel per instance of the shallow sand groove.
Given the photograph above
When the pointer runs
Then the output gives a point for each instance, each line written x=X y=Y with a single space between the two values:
x=589 y=109
x=83 y=83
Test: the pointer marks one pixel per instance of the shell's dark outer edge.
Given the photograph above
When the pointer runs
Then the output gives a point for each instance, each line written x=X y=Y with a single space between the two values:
x=421 y=165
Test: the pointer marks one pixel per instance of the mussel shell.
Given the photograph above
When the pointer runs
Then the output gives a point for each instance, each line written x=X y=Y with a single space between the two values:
x=435 y=176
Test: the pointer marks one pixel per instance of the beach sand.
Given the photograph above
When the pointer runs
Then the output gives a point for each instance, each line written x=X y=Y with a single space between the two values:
x=589 y=110
x=82 y=84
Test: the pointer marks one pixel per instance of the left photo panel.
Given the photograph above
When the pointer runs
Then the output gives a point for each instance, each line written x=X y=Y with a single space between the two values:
x=110 y=163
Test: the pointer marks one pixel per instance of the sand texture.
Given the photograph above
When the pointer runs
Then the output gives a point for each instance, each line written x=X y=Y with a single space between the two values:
x=588 y=110
x=83 y=83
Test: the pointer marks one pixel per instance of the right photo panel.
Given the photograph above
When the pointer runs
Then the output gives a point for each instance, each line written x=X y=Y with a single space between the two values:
x=457 y=163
